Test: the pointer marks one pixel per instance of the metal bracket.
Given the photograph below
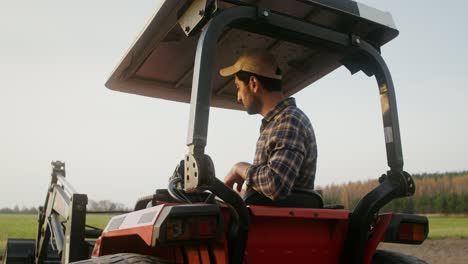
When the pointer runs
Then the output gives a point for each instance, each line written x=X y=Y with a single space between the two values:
x=355 y=40
x=191 y=173
x=263 y=13
x=58 y=168
x=194 y=15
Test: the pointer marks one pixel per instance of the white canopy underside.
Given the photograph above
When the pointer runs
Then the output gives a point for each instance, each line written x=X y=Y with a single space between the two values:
x=160 y=63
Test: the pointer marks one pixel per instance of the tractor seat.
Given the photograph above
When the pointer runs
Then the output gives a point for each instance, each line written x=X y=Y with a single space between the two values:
x=299 y=198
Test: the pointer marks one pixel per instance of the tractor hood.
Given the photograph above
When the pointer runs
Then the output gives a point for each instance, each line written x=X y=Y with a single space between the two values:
x=160 y=63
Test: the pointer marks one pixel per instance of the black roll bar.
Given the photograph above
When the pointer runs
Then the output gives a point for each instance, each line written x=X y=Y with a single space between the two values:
x=358 y=55
x=389 y=107
x=392 y=185
x=198 y=122
x=203 y=75
x=297 y=31
x=396 y=183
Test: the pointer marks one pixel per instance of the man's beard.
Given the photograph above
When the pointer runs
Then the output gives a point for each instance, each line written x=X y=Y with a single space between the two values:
x=255 y=106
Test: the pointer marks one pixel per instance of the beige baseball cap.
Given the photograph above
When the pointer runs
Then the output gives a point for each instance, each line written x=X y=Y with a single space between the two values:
x=258 y=61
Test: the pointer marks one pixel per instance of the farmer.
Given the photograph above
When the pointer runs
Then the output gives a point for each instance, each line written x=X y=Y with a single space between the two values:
x=286 y=152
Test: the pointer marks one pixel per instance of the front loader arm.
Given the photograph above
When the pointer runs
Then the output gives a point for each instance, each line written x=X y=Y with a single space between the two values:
x=62 y=220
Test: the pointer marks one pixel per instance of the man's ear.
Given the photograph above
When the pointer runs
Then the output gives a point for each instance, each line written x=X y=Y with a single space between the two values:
x=255 y=84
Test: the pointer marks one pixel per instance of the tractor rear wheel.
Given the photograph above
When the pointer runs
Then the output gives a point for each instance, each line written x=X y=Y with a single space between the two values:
x=390 y=257
x=124 y=258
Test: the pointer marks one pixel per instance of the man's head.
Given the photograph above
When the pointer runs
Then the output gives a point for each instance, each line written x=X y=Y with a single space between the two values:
x=256 y=76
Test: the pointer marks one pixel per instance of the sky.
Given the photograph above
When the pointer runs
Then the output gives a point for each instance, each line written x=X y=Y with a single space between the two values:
x=55 y=57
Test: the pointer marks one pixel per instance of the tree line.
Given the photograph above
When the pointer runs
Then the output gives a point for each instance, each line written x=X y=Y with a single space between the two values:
x=17 y=210
x=436 y=193
x=93 y=206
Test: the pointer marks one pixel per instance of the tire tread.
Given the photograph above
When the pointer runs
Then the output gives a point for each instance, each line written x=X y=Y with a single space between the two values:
x=391 y=257
x=124 y=258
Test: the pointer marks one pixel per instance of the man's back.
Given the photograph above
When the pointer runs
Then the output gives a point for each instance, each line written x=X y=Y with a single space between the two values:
x=286 y=153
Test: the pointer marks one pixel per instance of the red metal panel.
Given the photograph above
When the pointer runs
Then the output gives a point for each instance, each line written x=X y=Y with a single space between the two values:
x=279 y=236
x=299 y=212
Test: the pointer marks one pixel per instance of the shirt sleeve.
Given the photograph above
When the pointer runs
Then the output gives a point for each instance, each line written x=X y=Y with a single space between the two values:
x=286 y=152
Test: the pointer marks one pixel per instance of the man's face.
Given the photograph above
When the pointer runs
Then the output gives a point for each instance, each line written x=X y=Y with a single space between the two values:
x=247 y=97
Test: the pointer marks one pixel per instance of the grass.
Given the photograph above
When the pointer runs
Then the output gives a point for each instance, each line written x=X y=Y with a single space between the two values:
x=18 y=226
x=448 y=227
x=24 y=226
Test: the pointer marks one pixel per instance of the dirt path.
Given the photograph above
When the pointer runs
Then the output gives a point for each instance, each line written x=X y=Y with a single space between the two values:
x=444 y=251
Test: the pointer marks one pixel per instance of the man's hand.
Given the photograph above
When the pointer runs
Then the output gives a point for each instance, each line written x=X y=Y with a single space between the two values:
x=237 y=174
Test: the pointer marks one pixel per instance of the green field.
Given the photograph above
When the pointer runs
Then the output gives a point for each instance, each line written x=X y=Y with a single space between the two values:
x=448 y=227
x=24 y=226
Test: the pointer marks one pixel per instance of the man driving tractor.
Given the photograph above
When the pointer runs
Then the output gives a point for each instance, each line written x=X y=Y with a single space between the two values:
x=286 y=152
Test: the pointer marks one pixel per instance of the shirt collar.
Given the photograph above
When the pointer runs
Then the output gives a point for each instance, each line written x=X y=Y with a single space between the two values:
x=278 y=109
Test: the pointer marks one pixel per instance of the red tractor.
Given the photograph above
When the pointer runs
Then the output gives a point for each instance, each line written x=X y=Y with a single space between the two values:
x=200 y=220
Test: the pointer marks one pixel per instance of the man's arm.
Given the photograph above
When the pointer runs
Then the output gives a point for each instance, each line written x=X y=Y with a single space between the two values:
x=237 y=174
x=276 y=179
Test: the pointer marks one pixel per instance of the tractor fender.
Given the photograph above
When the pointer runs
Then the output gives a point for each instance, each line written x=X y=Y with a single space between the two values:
x=377 y=235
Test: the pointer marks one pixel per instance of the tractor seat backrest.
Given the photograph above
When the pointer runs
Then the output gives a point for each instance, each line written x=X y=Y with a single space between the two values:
x=299 y=198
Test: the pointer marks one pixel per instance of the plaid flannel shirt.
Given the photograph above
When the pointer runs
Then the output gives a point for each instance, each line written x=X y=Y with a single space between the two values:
x=286 y=153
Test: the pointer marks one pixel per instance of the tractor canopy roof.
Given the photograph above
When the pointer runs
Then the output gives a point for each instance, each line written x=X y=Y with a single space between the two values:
x=160 y=63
